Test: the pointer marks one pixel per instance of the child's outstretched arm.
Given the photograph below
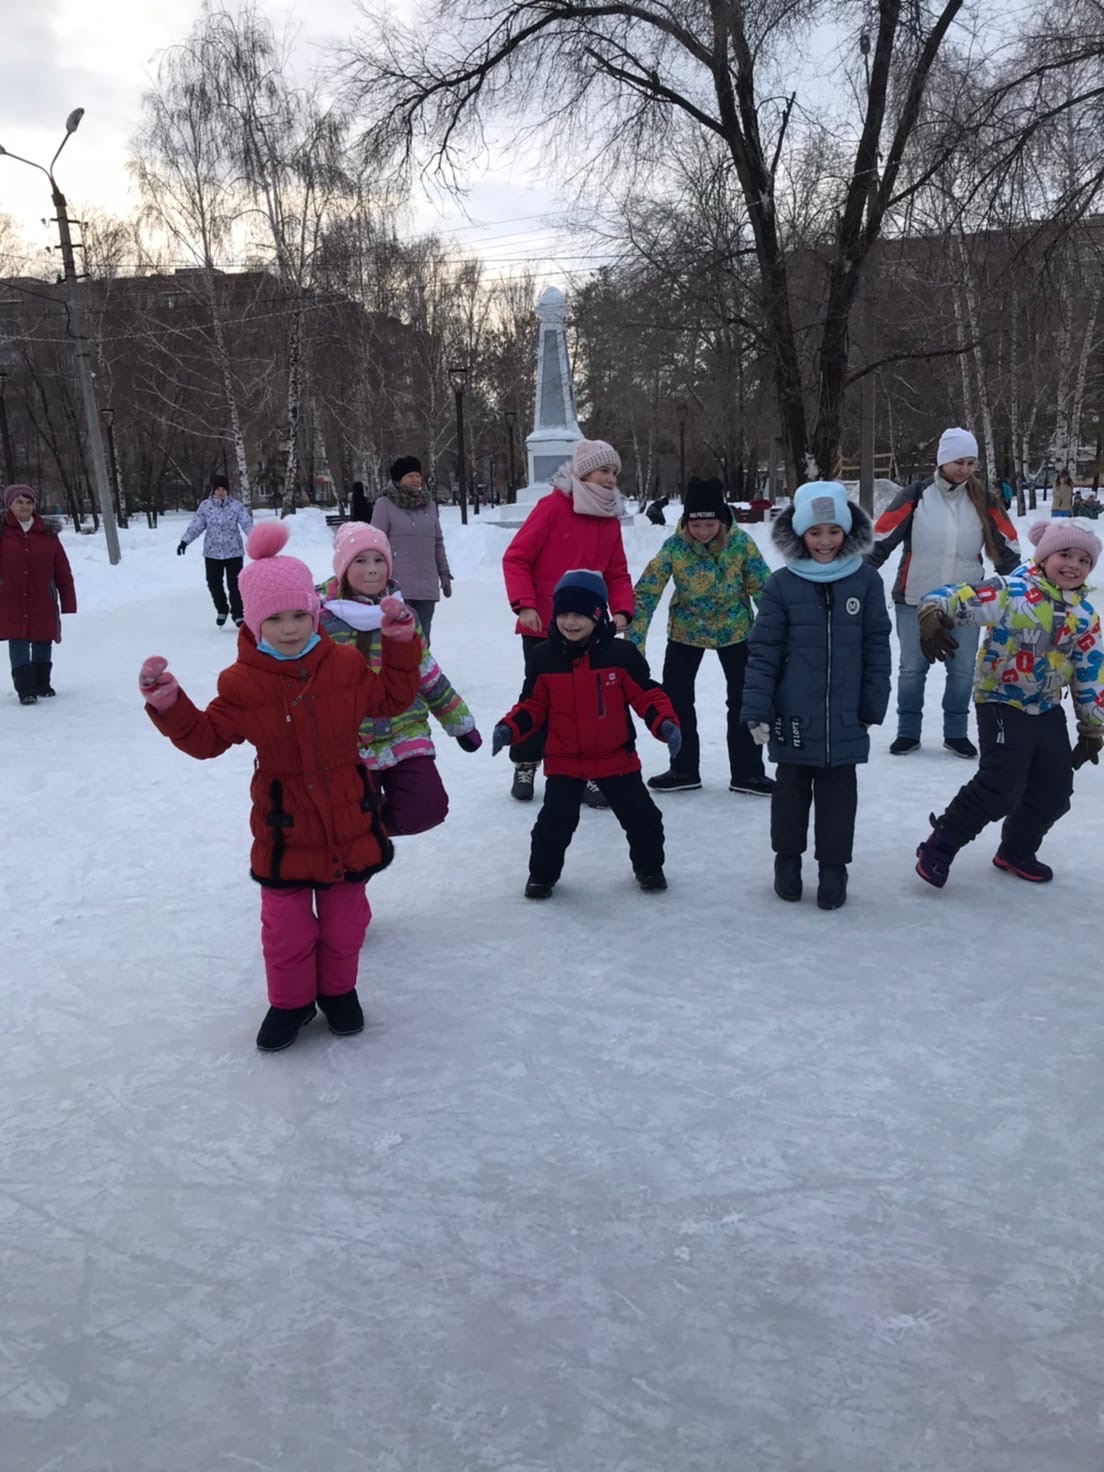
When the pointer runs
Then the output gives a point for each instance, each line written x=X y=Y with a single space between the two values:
x=528 y=715
x=1087 y=686
x=650 y=701
x=445 y=702
x=395 y=688
x=647 y=593
x=200 y=733
x=963 y=603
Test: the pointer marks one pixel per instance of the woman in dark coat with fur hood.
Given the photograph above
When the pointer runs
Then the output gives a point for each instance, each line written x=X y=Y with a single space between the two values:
x=818 y=675
x=36 y=588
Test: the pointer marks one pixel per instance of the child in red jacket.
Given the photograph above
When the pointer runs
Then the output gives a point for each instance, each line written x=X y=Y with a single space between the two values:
x=299 y=698
x=581 y=683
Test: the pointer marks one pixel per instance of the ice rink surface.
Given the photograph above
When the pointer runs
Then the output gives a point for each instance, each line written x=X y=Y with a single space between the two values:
x=690 y=1182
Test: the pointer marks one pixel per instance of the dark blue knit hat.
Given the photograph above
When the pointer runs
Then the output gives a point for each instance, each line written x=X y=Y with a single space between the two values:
x=580 y=591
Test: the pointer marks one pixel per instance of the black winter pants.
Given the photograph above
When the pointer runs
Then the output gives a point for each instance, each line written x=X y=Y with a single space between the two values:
x=532 y=748
x=559 y=817
x=1025 y=776
x=216 y=567
x=835 y=792
x=425 y=608
x=680 y=669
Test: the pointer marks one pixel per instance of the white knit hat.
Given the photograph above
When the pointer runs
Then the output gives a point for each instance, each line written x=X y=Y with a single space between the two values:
x=592 y=455
x=955 y=444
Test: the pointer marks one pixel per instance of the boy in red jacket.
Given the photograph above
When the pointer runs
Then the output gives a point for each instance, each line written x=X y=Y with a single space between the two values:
x=582 y=680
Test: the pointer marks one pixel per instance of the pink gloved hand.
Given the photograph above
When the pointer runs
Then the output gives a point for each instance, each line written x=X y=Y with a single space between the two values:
x=158 y=687
x=397 y=621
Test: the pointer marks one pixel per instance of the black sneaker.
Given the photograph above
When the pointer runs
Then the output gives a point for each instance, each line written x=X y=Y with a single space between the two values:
x=524 y=776
x=220 y=618
x=594 y=797
x=1024 y=866
x=26 y=698
x=281 y=1027
x=673 y=781
x=652 y=883
x=757 y=786
x=787 y=877
x=961 y=746
x=904 y=744
x=343 y=1013
x=832 y=886
x=536 y=890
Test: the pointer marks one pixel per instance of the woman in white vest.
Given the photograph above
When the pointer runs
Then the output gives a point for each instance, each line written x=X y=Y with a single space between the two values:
x=943 y=525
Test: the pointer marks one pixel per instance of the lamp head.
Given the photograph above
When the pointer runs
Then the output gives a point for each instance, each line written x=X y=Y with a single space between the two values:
x=72 y=122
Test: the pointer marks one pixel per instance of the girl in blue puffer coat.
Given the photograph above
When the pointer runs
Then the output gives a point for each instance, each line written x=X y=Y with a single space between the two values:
x=818 y=675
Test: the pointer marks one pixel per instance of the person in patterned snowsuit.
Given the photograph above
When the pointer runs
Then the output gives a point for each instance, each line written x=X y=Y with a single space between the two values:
x=717 y=571
x=1043 y=635
x=398 y=750
x=223 y=522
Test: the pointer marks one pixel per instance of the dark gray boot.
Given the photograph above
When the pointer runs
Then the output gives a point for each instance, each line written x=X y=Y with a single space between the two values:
x=23 y=678
x=42 y=672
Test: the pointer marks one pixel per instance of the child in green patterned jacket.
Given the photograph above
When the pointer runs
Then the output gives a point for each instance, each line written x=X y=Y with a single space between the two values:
x=717 y=570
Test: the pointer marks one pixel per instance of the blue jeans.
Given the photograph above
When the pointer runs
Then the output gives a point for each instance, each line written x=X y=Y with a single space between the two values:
x=29 y=651
x=913 y=671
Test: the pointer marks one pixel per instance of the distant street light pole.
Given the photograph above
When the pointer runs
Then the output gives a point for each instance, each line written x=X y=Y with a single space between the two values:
x=458 y=377
x=681 y=411
x=511 y=487
x=81 y=345
x=113 y=463
x=867 y=384
x=9 y=458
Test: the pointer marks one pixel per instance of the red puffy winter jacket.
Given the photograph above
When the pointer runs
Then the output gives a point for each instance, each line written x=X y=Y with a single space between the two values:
x=315 y=816
x=34 y=579
x=555 y=539
x=582 y=702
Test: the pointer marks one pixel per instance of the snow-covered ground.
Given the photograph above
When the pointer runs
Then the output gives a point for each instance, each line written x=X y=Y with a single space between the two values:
x=694 y=1182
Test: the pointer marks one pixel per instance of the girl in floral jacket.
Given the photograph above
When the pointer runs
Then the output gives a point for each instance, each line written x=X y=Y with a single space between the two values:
x=717 y=571
x=398 y=749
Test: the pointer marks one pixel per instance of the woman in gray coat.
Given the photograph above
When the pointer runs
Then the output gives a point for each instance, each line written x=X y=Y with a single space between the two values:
x=407 y=515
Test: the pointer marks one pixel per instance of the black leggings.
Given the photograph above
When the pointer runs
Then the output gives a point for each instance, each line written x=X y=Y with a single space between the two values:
x=216 y=568
x=680 y=668
x=559 y=817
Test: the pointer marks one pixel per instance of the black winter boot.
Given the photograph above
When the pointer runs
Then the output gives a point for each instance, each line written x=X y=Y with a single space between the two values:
x=652 y=883
x=1024 y=866
x=537 y=889
x=343 y=1013
x=281 y=1027
x=832 y=886
x=935 y=856
x=42 y=679
x=787 y=877
x=23 y=678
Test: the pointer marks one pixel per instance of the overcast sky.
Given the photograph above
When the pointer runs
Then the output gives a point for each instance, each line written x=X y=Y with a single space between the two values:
x=59 y=54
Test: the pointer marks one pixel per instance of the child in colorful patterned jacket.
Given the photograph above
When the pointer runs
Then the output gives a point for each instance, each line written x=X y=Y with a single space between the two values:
x=717 y=571
x=1044 y=635
x=398 y=750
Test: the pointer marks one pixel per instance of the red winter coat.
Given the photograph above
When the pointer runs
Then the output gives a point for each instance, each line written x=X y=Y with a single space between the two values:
x=315 y=816
x=582 y=703
x=553 y=540
x=34 y=579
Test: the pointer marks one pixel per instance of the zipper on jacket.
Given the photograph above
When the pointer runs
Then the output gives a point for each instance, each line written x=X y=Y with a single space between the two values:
x=828 y=682
x=599 y=695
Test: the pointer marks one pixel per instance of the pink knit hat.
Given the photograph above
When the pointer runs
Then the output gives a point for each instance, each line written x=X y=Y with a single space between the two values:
x=591 y=455
x=13 y=491
x=1055 y=536
x=354 y=538
x=271 y=584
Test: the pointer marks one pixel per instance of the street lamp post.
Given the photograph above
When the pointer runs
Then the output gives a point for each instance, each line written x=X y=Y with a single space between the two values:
x=113 y=464
x=81 y=345
x=9 y=458
x=458 y=377
x=867 y=384
x=511 y=486
x=681 y=411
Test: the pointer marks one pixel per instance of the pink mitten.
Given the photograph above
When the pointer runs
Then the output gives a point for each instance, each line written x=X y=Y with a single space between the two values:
x=397 y=621
x=158 y=687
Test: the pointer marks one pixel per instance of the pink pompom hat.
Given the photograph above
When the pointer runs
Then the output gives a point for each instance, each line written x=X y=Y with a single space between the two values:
x=270 y=583
x=1048 y=537
x=354 y=538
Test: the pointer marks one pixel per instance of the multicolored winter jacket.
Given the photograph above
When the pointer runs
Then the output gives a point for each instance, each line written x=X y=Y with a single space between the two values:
x=581 y=699
x=387 y=740
x=1041 y=639
x=714 y=585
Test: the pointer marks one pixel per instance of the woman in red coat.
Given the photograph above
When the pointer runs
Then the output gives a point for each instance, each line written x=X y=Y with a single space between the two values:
x=299 y=699
x=36 y=587
x=575 y=526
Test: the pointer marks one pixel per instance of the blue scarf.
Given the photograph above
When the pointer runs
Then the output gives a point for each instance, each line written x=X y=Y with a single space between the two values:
x=825 y=572
x=265 y=648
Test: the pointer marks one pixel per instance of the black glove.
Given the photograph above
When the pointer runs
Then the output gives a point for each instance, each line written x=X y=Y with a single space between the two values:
x=1088 y=748
x=936 y=643
x=502 y=737
x=181 y=549
x=670 y=733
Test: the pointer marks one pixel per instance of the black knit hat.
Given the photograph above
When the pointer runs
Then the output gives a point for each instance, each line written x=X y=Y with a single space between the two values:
x=705 y=501
x=580 y=591
x=404 y=465
x=220 y=480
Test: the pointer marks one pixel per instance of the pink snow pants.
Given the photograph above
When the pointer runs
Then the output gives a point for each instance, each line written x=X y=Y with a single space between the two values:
x=308 y=954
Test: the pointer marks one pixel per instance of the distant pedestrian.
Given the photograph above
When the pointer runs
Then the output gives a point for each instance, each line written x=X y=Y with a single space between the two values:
x=1061 y=502
x=224 y=522
x=360 y=508
x=36 y=587
x=654 y=512
x=407 y=515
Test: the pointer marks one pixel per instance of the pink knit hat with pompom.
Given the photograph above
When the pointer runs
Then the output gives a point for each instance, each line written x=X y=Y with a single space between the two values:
x=354 y=538
x=1048 y=537
x=270 y=584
